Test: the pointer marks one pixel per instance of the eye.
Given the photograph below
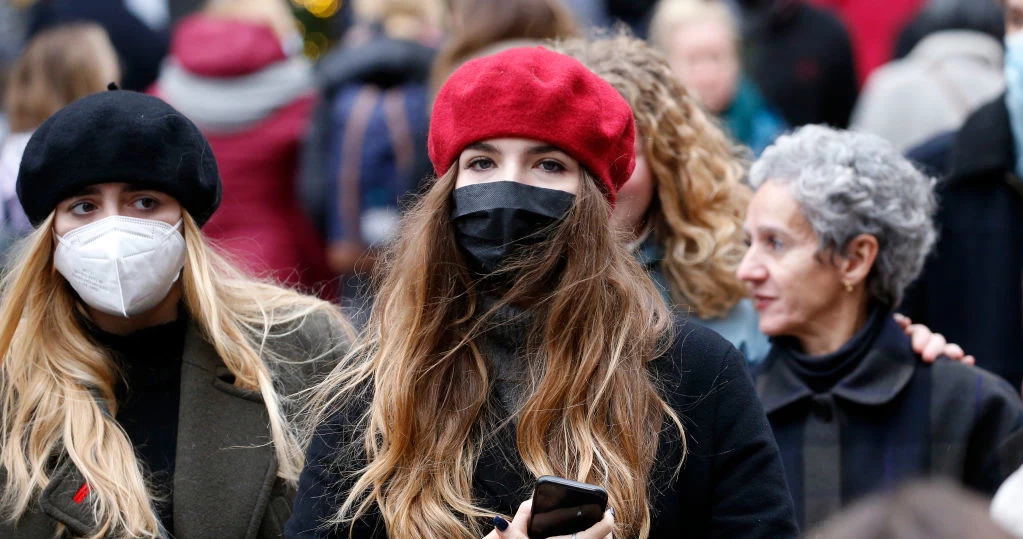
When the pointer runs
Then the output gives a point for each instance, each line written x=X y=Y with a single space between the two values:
x=480 y=164
x=551 y=165
x=82 y=207
x=775 y=243
x=145 y=203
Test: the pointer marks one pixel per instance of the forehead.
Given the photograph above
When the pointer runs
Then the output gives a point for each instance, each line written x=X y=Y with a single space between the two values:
x=773 y=206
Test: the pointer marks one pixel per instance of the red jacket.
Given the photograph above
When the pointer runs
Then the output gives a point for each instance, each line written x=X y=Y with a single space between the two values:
x=227 y=76
x=873 y=25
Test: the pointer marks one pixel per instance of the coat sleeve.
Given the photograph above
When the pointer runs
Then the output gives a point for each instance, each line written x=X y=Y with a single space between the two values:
x=993 y=453
x=750 y=496
x=325 y=482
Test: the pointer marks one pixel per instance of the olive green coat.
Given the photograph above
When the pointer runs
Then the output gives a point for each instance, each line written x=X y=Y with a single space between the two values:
x=225 y=479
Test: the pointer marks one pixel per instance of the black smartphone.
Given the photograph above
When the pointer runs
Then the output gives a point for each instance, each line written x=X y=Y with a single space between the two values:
x=564 y=507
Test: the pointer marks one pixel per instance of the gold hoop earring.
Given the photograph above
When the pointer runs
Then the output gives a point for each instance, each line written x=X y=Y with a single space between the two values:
x=848 y=288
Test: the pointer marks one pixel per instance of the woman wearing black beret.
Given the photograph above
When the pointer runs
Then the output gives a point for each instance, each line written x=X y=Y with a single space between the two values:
x=144 y=382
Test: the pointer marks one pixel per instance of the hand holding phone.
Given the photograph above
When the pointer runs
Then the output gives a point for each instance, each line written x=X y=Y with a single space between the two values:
x=564 y=507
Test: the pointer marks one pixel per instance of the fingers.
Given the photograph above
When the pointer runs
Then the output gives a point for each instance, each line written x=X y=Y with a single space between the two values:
x=969 y=360
x=953 y=351
x=600 y=530
x=919 y=337
x=516 y=529
x=903 y=321
x=521 y=519
x=934 y=347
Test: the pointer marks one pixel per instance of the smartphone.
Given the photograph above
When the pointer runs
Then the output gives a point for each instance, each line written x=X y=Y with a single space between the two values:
x=564 y=507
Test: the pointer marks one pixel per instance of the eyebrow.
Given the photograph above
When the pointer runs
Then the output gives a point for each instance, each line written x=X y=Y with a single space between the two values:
x=483 y=147
x=92 y=190
x=546 y=148
x=772 y=230
x=534 y=150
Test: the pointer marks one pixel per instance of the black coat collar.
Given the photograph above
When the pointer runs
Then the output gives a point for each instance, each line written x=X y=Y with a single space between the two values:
x=878 y=379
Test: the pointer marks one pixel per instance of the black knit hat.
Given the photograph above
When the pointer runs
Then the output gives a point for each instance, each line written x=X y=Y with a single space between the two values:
x=118 y=136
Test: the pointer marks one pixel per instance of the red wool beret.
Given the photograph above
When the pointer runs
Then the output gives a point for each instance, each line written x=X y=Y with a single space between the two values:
x=537 y=94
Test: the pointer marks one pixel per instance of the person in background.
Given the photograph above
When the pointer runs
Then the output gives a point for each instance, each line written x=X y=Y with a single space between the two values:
x=485 y=26
x=514 y=336
x=683 y=206
x=971 y=288
x=57 y=67
x=801 y=59
x=137 y=28
x=702 y=42
x=148 y=387
x=923 y=509
x=874 y=26
x=840 y=224
x=366 y=149
x=940 y=15
x=947 y=75
x=236 y=69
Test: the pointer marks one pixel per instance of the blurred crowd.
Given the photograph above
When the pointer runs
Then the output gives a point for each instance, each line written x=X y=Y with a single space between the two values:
x=321 y=157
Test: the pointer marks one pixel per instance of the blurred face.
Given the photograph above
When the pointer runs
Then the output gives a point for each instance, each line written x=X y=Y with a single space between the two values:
x=705 y=59
x=107 y=199
x=634 y=198
x=1013 y=16
x=531 y=162
x=794 y=290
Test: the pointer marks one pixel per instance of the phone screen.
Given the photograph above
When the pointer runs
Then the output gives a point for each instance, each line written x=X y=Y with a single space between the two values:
x=560 y=509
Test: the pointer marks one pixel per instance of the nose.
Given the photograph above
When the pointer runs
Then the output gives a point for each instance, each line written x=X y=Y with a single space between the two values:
x=511 y=172
x=750 y=269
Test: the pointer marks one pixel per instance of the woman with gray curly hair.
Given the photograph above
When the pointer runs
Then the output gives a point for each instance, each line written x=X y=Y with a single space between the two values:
x=840 y=224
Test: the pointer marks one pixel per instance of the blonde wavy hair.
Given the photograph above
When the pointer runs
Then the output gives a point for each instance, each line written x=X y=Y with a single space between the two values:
x=54 y=383
x=701 y=194
x=417 y=384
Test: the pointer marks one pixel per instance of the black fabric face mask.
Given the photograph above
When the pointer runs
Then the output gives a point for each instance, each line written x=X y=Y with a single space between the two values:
x=494 y=220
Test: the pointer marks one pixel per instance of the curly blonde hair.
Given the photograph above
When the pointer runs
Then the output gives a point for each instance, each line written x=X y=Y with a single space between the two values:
x=701 y=195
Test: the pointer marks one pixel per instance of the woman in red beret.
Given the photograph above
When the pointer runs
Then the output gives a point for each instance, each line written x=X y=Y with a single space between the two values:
x=515 y=336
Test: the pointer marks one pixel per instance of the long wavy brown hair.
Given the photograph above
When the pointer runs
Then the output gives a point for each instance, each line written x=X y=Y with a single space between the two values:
x=701 y=194
x=591 y=410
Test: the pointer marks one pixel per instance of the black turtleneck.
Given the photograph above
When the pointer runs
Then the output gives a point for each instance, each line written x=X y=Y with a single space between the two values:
x=148 y=395
x=821 y=373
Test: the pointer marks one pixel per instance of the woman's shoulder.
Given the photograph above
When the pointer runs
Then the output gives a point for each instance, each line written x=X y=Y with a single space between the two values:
x=697 y=360
x=305 y=345
x=741 y=327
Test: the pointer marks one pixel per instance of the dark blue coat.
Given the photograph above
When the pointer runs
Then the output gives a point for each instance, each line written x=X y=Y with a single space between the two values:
x=892 y=418
x=971 y=289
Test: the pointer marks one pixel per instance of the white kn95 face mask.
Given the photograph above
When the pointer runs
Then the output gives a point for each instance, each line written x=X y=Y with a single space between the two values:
x=121 y=266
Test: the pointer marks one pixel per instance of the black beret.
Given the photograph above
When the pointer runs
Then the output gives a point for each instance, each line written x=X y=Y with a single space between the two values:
x=118 y=136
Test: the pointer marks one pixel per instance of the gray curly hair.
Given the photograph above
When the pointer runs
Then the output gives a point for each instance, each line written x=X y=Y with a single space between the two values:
x=849 y=184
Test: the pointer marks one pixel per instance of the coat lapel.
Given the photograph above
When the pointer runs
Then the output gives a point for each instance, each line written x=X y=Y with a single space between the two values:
x=225 y=464
x=65 y=500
